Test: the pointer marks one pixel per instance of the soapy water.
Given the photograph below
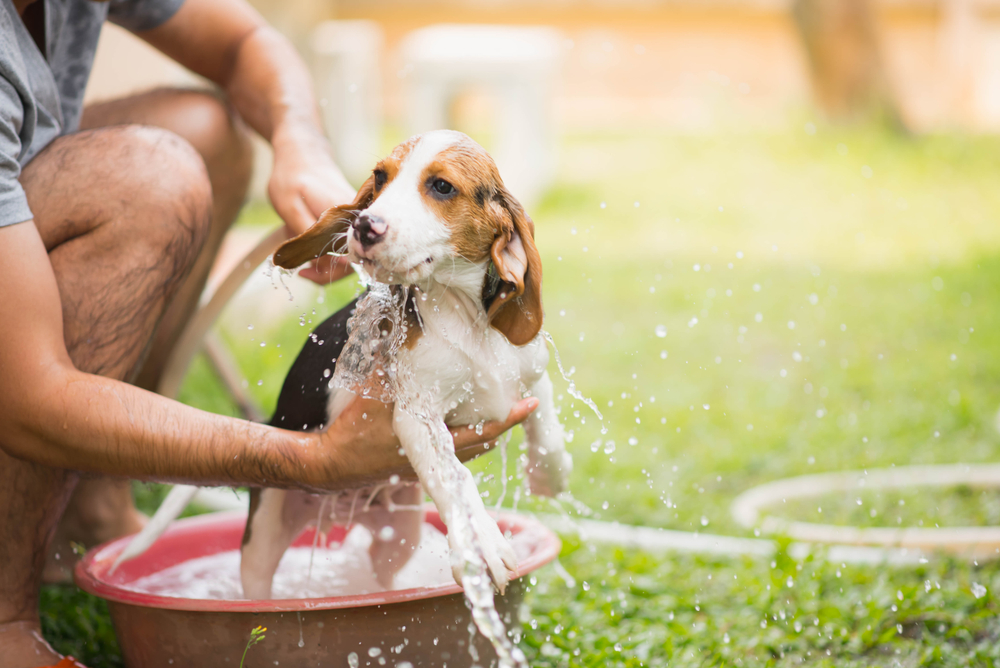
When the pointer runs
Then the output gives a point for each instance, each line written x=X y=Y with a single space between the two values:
x=341 y=570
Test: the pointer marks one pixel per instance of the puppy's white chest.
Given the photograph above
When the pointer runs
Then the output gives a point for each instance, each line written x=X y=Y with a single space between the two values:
x=475 y=373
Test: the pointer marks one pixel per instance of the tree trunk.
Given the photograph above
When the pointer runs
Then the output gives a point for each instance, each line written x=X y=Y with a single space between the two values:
x=848 y=76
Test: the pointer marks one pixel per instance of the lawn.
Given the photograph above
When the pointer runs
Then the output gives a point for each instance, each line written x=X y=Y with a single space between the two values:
x=744 y=307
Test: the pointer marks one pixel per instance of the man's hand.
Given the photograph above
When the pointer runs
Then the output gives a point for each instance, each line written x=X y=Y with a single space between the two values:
x=227 y=42
x=305 y=182
x=363 y=450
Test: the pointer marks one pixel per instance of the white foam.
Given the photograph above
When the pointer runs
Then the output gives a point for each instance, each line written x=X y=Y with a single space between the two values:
x=343 y=570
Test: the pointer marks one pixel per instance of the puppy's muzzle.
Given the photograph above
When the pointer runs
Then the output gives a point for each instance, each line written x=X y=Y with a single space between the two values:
x=369 y=230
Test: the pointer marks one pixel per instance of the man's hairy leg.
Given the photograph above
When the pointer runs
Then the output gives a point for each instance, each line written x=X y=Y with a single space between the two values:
x=102 y=509
x=123 y=213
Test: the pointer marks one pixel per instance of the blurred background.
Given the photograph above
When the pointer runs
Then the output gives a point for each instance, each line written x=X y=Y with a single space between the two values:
x=771 y=238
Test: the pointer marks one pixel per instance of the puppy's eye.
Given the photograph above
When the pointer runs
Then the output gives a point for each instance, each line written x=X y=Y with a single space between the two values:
x=380 y=178
x=442 y=187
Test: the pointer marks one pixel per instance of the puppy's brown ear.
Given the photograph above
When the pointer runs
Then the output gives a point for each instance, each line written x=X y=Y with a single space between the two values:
x=328 y=234
x=513 y=295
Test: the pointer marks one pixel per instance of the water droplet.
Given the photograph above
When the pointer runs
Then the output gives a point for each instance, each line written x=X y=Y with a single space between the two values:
x=663 y=354
x=633 y=440
x=586 y=586
x=352 y=660
x=326 y=373
x=790 y=582
x=759 y=317
x=618 y=647
x=250 y=327
x=704 y=521
x=609 y=447
x=374 y=651
x=661 y=331
x=692 y=322
x=706 y=406
x=386 y=533
x=978 y=590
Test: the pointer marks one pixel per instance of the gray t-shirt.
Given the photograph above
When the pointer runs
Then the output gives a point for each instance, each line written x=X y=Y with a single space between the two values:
x=41 y=96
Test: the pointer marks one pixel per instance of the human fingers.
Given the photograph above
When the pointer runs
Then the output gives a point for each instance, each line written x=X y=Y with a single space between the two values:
x=291 y=208
x=469 y=443
x=327 y=269
x=326 y=188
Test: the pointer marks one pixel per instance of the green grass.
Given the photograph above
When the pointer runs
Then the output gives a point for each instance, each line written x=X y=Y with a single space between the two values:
x=637 y=610
x=816 y=319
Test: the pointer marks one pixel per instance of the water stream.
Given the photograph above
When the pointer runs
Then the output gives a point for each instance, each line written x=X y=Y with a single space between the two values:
x=370 y=366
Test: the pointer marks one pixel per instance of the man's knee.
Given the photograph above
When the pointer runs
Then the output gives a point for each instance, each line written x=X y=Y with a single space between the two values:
x=204 y=118
x=169 y=195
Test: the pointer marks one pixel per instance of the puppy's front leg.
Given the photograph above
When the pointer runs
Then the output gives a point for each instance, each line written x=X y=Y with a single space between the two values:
x=472 y=533
x=549 y=464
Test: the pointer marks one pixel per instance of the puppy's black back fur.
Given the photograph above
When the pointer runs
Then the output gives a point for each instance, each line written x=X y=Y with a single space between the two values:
x=303 y=399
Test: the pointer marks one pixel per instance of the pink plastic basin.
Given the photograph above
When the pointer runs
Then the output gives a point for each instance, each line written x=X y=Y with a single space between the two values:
x=428 y=626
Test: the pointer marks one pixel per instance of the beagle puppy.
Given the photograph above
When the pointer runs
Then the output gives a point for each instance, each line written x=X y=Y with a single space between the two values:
x=436 y=225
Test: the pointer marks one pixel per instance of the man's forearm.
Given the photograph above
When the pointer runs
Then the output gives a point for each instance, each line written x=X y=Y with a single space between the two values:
x=90 y=423
x=229 y=43
x=271 y=88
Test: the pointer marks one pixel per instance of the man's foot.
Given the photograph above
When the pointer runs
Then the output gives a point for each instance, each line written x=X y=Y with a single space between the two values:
x=100 y=510
x=22 y=646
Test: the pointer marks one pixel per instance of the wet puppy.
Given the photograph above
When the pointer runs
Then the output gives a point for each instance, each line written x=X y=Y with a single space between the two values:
x=434 y=220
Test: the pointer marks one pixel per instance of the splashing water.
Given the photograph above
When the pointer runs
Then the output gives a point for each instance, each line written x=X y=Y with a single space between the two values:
x=273 y=270
x=369 y=367
x=502 y=443
x=575 y=393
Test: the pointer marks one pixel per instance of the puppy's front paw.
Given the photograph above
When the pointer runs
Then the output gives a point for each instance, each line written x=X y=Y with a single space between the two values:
x=500 y=556
x=488 y=544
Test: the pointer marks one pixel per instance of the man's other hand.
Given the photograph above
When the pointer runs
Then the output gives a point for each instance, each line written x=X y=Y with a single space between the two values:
x=305 y=182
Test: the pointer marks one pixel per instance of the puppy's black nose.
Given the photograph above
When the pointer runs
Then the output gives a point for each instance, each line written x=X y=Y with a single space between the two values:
x=369 y=230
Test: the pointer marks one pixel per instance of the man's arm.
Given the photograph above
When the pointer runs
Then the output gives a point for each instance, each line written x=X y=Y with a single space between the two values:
x=55 y=415
x=227 y=42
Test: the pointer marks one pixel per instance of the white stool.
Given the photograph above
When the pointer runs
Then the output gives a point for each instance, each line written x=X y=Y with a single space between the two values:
x=348 y=85
x=518 y=64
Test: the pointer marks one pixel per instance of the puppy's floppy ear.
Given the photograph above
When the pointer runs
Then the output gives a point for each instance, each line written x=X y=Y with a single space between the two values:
x=513 y=295
x=329 y=234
